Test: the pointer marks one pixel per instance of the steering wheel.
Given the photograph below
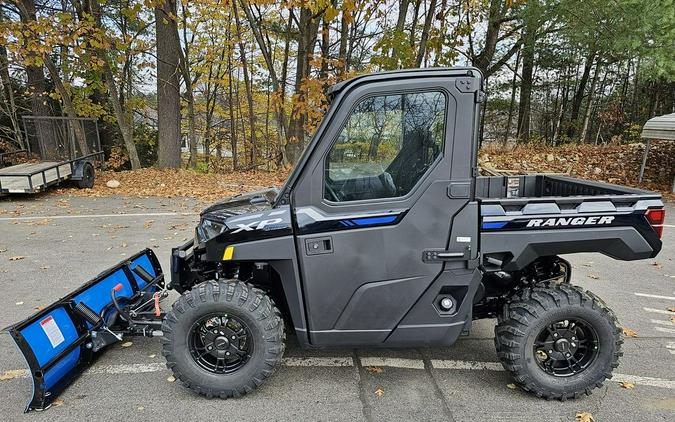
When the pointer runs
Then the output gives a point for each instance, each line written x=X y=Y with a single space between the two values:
x=388 y=183
x=332 y=193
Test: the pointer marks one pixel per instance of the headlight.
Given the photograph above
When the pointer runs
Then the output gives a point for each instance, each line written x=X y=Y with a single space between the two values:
x=208 y=229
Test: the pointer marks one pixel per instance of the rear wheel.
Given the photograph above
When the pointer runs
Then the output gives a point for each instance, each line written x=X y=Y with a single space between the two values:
x=223 y=338
x=88 y=176
x=558 y=341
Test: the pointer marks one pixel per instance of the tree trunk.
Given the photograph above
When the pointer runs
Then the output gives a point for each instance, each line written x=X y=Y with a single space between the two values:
x=513 y=99
x=400 y=25
x=526 y=85
x=248 y=86
x=307 y=33
x=425 y=33
x=35 y=76
x=579 y=95
x=123 y=121
x=589 y=103
x=230 y=101
x=168 y=89
x=8 y=93
x=342 y=52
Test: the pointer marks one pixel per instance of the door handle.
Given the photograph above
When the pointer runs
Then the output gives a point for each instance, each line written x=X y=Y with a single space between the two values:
x=439 y=255
x=319 y=245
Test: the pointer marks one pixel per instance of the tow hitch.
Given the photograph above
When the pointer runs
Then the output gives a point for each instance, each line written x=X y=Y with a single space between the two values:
x=62 y=340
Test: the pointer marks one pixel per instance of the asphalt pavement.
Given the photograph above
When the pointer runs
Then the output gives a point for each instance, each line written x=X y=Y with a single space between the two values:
x=51 y=244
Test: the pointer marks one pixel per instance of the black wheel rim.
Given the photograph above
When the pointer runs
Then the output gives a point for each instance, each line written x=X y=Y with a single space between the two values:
x=566 y=348
x=220 y=343
x=88 y=176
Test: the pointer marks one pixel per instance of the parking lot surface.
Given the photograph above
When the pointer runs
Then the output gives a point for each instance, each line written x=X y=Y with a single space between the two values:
x=51 y=244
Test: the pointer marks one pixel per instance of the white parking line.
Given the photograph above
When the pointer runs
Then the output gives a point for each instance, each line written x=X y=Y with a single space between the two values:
x=460 y=364
x=654 y=296
x=317 y=361
x=660 y=322
x=665 y=330
x=659 y=311
x=63 y=217
x=393 y=362
x=439 y=364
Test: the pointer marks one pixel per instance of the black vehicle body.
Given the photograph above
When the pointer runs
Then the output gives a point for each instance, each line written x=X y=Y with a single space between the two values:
x=372 y=272
x=406 y=256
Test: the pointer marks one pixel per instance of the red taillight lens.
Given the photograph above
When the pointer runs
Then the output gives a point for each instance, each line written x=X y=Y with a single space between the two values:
x=656 y=217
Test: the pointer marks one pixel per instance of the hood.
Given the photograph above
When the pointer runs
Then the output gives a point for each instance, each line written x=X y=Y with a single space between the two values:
x=249 y=202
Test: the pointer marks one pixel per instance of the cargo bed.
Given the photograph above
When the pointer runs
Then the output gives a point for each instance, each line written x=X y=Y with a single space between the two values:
x=547 y=187
x=33 y=177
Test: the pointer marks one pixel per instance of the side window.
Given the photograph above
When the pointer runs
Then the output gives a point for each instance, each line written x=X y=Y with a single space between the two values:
x=386 y=146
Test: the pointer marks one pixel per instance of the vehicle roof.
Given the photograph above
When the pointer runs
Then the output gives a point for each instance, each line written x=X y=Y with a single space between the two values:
x=392 y=74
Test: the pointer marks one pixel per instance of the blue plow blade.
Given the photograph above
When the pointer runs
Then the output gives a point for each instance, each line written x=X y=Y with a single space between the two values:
x=59 y=342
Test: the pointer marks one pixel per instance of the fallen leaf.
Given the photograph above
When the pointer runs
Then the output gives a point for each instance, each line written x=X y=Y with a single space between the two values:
x=127 y=344
x=671 y=309
x=124 y=244
x=672 y=319
x=171 y=378
x=511 y=386
x=11 y=374
x=3 y=250
x=45 y=267
x=657 y=265
x=39 y=308
x=594 y=276
x=152 y=356
x=628 y=332
x=19 y=303
x=585 y=417
x=374 y=369
x=379 y=392
x=140 y=408
x=16 y=258
x=148 y=224
x=57 y=403
x=627 y=385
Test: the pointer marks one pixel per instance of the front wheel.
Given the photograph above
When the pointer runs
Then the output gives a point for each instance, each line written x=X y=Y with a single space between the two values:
x=558 y=341
x=223 y=338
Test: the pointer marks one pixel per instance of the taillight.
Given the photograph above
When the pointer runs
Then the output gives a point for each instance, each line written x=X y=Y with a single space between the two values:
x=656 y=218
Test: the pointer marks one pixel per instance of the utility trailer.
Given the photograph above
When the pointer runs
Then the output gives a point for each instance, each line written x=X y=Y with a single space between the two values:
x=383 y=235
x=58 y=149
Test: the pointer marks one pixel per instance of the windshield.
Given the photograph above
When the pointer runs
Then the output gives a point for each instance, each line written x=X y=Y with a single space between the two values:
x=280 y=198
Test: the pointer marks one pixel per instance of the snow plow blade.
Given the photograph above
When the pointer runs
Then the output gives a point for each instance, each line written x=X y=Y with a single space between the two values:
x=62 y=340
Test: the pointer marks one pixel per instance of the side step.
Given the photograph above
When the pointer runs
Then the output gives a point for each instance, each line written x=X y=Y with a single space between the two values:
x=63 y=339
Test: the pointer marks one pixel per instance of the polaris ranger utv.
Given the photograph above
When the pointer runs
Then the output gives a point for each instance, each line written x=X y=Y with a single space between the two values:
x=383 y=235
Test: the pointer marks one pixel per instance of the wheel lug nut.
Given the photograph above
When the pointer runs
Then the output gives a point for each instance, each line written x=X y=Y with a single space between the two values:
x=233 y=337
x=550 y=351
x=227 y=353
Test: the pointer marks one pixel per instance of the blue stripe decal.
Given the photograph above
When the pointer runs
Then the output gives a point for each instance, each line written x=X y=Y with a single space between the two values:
x=494 y=225
x=369 y=221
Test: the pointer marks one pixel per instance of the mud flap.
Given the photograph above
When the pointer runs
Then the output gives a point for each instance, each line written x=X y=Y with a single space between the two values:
x=58 y=342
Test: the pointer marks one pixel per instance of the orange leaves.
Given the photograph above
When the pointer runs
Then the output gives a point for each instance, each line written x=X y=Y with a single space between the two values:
x=179 y=183
x=629 y=332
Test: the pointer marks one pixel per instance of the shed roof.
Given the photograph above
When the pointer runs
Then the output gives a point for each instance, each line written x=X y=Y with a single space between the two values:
x=660 y=127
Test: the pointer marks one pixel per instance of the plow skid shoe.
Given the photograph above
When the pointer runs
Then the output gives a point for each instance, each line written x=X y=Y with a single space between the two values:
x=62 y=340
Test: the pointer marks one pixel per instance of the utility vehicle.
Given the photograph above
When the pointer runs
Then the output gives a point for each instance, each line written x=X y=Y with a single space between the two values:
x=383 y=235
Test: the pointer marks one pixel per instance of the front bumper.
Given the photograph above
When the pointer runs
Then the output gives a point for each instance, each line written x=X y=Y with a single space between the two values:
x=181 y=264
